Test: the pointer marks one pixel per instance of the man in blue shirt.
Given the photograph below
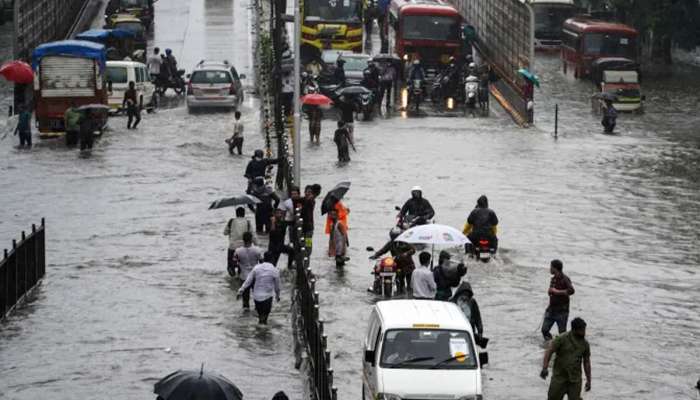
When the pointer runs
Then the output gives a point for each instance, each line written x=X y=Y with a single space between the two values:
x=24 y=126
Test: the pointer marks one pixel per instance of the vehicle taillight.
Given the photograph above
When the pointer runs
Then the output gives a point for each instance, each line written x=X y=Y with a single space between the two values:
x=232 y=89
x=484 y=243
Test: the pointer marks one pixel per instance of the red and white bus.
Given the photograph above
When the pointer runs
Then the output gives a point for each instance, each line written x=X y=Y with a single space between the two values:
x=425 y=29
x=586 y=40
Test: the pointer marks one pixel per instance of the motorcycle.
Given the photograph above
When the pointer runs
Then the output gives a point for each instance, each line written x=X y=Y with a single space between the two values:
x=415 y=93
x=384 y=272
x=408 y=221
x=471 y=91
x=366 y=105
x=482 y=250
x=177 y=83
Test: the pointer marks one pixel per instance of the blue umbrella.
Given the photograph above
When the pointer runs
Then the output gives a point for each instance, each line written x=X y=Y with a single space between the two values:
x=529 y=76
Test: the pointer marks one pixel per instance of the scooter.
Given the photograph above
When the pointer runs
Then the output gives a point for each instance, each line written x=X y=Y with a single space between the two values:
x=415 y=94
x=177 y=83
x=471 y=93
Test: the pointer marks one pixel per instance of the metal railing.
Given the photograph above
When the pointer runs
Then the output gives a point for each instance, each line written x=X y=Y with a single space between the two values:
x=309 y=322
x=22 y=268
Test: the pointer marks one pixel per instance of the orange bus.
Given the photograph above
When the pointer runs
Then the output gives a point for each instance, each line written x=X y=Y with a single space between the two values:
x=425 y=29
x=586 y=40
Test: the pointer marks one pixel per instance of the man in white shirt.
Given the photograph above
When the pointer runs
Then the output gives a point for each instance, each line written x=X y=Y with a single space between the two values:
x=422 y=280
x=265 y=281
x=246 y=258
x=154 y=63
x=288 y=207
x=235 y=228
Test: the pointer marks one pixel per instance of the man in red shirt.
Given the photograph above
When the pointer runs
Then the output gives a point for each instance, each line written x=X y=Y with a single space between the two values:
x=560 y=289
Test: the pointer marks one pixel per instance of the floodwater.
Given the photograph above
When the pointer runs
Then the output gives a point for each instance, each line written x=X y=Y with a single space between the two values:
x=136 y=284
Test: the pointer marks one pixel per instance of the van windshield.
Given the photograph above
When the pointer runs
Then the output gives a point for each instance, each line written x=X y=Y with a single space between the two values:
x=428 y=349
x=116 y=74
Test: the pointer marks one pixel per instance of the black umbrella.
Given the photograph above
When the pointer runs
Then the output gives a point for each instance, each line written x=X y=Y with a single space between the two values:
x=352 y=90
x=234 y=201
x=336 y=193
x=384 y=57
x=187 y=385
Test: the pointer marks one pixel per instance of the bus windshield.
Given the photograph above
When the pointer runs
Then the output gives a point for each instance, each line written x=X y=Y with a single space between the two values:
x=133 y=3
x=332 y=10
x=610 y=44
x=430 y=27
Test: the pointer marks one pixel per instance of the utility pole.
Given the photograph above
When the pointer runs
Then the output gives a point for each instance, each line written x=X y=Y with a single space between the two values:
x=297 y=89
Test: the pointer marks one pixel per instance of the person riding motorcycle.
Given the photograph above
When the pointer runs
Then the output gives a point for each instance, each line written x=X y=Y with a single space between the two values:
x=482 y=223
x=403 y=256
x=339 y=73
x=417 y=210
x=417 y=72
x=170 y=63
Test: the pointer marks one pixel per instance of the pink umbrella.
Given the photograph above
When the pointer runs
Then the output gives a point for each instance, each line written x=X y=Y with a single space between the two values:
x=17 y=71
x=315 y=99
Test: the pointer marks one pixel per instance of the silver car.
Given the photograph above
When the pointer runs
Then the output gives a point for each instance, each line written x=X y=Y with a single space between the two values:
x=214 y=84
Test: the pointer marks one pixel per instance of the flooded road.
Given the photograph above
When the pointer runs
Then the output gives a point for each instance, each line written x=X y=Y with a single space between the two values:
x=621 y=211
x=136 y=285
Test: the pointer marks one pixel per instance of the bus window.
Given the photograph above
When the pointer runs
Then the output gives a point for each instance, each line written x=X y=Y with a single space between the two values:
x=610 y=45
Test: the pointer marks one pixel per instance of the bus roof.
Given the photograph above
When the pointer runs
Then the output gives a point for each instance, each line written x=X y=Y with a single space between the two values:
x=583 y=25
x=70 y=48
x=421 y=314
x=423 y=7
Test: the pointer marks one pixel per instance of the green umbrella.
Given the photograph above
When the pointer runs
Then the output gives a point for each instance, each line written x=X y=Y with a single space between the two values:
x=529 y=76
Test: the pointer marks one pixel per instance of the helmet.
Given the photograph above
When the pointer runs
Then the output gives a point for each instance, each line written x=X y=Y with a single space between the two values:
x=258 y=153
x=472 y=65
x=394 y=232
x=416 y=189
x=304 y=74
x=168 y=51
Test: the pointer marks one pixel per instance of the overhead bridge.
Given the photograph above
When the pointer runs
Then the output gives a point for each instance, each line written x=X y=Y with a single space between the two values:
x=505 y=40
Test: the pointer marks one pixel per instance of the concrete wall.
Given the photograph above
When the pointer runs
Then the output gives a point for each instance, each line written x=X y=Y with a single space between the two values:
x=41 y=21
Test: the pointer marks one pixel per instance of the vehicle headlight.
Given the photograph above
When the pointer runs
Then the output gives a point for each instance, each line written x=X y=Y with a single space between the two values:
x=388 y=396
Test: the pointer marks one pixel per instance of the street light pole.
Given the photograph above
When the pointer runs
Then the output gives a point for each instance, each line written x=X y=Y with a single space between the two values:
x=297 y=89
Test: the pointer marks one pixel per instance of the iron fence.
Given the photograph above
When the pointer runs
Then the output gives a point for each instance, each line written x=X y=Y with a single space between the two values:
x=22 y=268
x=312 y=327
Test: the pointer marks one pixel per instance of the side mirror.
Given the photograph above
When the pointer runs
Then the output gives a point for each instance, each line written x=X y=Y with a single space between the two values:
x=483 y=358
x=397 y=208
x=109 y=86
x=188 y=76
x=369 y=248
x=242 y=76
x=369 y=356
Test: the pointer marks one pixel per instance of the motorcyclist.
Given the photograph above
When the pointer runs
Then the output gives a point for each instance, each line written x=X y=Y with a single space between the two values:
x=339 y=73
x=417 y=209
x=609 y=116
x=417 y=72
x=403 y=255
x=482 y=223
x=257 y=166
x=370 y=80
x=171 y=62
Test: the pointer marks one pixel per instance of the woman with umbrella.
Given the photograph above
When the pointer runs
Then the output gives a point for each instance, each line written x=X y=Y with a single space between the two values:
x=313 y=103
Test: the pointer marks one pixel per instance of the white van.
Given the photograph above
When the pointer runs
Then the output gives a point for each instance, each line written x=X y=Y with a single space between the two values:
x=420 y=349
x=119 y=74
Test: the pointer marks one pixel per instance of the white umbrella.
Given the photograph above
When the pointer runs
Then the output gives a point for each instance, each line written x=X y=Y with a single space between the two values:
x=433 y=234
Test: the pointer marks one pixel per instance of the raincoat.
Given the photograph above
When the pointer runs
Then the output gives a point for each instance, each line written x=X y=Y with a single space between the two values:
x=342 y=212
x=464 y=298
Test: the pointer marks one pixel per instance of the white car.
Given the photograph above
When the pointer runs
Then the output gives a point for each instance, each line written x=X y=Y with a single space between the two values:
x=119 y=74
x=214 y=84
x=420 y=349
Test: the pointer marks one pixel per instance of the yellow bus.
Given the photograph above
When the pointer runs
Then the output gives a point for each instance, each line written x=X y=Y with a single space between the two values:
x=332 y=24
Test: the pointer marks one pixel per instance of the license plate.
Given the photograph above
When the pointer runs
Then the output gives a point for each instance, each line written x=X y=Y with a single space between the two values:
x=389 y=274
x=484 y=255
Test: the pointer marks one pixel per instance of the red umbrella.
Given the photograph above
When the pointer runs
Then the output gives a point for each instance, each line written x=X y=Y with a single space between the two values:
x=17 y=71
x=316 y=99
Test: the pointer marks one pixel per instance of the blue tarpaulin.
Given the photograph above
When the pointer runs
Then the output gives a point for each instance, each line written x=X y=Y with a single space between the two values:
x=100 y=35
x=75 y=48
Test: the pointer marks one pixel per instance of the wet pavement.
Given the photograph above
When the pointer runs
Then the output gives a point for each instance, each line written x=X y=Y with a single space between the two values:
x=136 y=284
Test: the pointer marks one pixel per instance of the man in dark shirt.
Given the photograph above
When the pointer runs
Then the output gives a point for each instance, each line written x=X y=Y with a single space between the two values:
x=133 y=108
x=560 y=289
